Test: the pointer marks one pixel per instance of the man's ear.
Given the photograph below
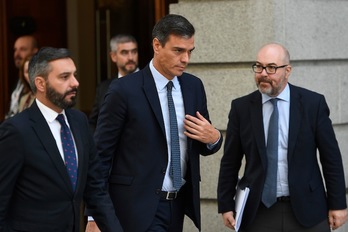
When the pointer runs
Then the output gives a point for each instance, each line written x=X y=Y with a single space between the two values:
x=288 y=70
x=113 y=56
x=40 y=84
x=156 y=45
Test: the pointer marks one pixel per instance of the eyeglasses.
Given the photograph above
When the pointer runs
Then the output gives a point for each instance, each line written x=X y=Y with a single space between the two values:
x=270 y=69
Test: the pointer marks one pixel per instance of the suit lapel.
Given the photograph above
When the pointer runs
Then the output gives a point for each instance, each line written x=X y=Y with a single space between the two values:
x=47 y=140
x=294 y=120
x=151 y=94
x=189 y=104
x=257 y=125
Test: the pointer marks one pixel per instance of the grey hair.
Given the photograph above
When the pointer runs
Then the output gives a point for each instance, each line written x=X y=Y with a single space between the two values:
x=120 y=39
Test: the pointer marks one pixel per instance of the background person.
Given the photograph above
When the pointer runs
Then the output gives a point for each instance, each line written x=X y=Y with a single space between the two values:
x=299 y=201
x=124 y=54
x=24 y=46
x=27 y=96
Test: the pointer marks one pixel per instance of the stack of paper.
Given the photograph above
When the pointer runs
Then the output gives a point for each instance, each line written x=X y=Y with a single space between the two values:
x=241 y=199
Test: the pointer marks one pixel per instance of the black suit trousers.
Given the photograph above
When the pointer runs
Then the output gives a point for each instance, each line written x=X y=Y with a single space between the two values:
x=281 y=218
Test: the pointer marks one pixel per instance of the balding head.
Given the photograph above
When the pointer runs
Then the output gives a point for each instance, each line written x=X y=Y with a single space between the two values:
x=275 y=53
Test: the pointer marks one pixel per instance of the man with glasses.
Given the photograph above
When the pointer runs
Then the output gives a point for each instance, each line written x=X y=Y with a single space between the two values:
x=278 y=130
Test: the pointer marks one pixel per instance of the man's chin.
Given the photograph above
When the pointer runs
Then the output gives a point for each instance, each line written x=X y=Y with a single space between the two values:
x=71 y=102
x=266 y=91
x=131 y=70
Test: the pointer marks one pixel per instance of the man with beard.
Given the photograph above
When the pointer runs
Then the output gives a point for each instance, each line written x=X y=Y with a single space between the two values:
x=48 y=161
x=124 y=54
x=278 y=130
x=25 y=46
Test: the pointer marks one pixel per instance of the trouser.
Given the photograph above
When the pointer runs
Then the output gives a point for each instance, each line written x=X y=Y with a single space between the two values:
x=280 y=218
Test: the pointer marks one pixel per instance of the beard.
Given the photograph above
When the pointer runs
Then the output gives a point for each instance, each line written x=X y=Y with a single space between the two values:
x=60 y=99
x=129 y=67
x=272 y=90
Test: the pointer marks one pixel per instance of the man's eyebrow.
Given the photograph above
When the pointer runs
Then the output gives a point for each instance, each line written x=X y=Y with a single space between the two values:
x=258 y=62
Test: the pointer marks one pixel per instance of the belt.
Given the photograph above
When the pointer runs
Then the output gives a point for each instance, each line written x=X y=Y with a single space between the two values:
x=168 y=195
x=283 y=199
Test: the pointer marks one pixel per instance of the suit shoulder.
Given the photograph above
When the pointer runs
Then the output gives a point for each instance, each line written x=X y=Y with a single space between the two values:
x=190 y=77
x=19 y=120
x=249 y=97
x=130 y=79
x=308 y=95
x=304 y=90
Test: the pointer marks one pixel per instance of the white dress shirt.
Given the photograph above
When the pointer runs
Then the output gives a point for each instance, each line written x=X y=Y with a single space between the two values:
x=50 y=116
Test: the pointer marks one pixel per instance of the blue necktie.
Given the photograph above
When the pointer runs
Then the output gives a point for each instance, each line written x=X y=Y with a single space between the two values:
x=69 y=150
x=175 y=166
x=269 y=194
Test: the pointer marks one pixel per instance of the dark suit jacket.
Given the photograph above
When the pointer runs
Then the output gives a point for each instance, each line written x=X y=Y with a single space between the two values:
x=98 y=101
x=131 y=141
x=35 y=189
x=310 y=128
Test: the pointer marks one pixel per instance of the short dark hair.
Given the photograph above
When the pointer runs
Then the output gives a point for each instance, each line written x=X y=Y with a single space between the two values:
x=172 y=24
x=39 y=63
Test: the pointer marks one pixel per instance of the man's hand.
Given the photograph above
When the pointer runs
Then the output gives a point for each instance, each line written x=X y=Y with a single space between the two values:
x=92 y=227
x=229 y=220
x=337 y=218
x=198 y=128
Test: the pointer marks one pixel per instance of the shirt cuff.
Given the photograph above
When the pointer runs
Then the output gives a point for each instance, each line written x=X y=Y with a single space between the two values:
x=211 y=146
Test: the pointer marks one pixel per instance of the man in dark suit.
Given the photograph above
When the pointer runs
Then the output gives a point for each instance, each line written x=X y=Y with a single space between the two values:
x=40 y=190
x=299 y=201
x=133 y=135
x=124 y=54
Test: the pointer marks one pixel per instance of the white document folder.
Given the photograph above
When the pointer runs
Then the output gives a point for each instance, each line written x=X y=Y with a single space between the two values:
x=241 y=199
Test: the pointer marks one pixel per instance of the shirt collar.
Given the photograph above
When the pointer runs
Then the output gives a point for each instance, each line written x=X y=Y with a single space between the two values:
x=160 y=80
x=49 y=114
x=119 y=74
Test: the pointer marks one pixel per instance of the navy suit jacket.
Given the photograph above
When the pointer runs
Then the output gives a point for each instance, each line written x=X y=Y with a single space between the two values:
x=98 y=101
x=131 y=142
x=310 y=129
x=35 y=189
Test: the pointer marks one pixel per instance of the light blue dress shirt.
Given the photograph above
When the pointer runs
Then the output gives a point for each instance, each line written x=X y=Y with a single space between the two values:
x=284 y=114
x=161 y=85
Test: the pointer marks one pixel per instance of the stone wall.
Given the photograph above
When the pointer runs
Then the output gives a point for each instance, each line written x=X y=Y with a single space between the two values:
x=228 y=36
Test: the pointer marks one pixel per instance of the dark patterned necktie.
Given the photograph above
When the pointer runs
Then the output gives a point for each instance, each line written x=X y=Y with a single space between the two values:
x=69 y=150
x=269 y=194
x=175 y=166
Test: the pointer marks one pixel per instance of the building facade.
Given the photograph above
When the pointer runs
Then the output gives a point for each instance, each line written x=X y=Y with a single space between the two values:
x=228 y=36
